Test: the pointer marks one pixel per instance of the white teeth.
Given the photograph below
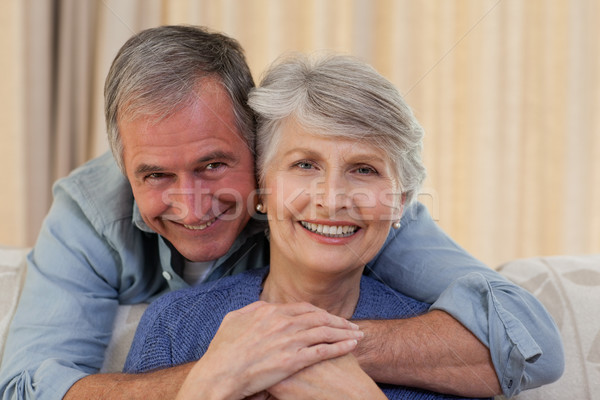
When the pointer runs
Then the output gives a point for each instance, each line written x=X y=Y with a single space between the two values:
x=330 y=230
x=199 y=227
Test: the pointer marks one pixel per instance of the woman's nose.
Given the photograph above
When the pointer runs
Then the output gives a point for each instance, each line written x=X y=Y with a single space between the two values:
x=334 y=193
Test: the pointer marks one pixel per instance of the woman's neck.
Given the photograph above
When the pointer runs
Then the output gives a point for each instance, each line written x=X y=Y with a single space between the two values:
x=335 y=293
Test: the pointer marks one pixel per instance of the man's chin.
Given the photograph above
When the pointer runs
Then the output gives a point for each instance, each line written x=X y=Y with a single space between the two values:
x=206 y=244
x=207 y=251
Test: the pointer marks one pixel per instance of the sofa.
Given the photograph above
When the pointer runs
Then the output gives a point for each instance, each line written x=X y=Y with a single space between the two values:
x=569 y=287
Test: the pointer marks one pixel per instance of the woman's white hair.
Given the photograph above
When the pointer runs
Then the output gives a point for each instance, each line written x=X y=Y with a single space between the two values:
x=342 y=97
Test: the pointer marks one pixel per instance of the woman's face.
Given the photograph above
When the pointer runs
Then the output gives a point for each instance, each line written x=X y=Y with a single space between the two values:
x=330 y=202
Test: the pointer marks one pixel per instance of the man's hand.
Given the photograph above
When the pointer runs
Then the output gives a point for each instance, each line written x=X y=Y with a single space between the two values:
x=432 y=351
x=263 y=344
x=338 y=378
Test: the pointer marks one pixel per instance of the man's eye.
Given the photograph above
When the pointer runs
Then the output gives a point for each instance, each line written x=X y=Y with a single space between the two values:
x=214 y=165
x=155 y=175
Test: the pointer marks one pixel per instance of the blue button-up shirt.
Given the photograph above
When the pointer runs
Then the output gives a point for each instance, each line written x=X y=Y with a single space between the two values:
x=94 y=252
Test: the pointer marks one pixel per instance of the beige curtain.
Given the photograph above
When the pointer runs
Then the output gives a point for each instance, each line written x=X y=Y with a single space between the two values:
x=507 y=90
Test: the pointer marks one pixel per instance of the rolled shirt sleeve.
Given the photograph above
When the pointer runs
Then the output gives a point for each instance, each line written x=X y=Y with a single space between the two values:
x=421 y=261
x=523 y=340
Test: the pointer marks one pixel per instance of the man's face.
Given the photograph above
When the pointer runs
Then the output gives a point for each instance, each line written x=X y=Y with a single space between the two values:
x=192 y=174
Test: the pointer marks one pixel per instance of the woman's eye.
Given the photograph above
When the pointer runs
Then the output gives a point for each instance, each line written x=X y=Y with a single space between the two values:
x=304 y=165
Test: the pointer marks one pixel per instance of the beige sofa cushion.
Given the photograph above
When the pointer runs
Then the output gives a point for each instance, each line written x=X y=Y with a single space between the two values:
x=569 y=287
x=12 y=275
x=126 y=322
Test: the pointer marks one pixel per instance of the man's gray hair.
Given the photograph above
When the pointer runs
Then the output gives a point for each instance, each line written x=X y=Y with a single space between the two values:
x=343 y=97
x=160 y=70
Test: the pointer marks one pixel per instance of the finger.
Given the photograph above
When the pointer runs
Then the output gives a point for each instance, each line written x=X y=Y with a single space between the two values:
x=308 y=315
x=259 y=396
x=320 y=317
x=325 y=334
x=325 y=351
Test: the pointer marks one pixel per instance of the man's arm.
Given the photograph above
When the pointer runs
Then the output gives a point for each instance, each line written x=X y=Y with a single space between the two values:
x=64 y=320
x=432 y=351
x=156 y=385
x=65 y=314
x=422 y=262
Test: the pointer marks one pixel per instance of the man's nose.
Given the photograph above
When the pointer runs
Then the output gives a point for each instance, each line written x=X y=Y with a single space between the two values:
x=189 y=200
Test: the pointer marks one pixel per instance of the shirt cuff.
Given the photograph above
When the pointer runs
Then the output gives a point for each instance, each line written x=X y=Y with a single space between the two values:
x=52 y=380
x=473 y=302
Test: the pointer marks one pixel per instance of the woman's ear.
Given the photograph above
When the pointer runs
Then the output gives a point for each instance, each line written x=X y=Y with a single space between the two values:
x=396 y=224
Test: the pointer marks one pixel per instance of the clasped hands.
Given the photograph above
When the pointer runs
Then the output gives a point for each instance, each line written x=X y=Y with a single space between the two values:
x=282 y=351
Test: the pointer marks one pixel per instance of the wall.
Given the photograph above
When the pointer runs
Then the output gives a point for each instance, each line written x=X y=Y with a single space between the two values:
x=507 y=91
x=12 y=210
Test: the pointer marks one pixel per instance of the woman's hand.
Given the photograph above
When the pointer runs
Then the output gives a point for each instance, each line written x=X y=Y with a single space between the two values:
x=264 y=343
x=338 y=378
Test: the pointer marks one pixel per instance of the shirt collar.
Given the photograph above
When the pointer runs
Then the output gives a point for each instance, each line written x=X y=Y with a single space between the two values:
x=138 y=221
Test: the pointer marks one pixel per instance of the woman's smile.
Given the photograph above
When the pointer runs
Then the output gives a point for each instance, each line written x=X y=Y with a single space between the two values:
x=335 y=231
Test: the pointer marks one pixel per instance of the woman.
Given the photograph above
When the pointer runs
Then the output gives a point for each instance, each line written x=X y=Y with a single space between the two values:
x=338 y=157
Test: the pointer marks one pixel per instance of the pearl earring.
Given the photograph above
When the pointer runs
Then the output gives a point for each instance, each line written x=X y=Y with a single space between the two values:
x=396 y=225
x=259 y=207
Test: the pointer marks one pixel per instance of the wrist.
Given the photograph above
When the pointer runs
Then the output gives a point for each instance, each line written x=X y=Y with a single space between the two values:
x=376 y=350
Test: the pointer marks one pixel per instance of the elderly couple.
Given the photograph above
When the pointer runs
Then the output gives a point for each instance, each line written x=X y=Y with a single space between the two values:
x=327 y=281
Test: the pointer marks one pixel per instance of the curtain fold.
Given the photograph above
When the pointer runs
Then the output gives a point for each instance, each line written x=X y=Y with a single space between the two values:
x=508 y=93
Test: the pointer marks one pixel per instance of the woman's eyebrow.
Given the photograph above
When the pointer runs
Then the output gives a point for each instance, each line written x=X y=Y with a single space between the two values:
x=305 y=152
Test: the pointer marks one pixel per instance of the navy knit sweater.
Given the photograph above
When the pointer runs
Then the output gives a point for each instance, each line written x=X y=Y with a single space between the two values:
x=178 y=327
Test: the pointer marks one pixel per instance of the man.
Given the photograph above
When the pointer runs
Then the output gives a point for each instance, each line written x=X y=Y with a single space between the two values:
x=177 y=210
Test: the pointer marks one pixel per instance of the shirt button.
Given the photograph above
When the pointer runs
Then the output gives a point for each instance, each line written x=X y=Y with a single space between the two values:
x=167 y=275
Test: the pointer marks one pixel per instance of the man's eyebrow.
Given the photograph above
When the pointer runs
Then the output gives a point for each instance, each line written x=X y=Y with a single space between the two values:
x=144 y=169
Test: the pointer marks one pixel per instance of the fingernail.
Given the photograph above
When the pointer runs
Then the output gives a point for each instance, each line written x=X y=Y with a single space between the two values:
x=354 y=326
